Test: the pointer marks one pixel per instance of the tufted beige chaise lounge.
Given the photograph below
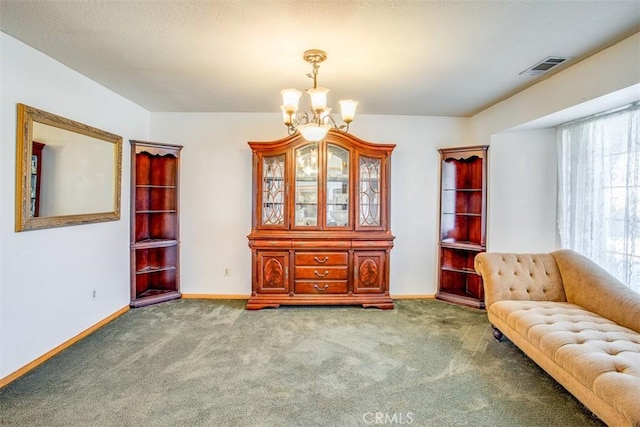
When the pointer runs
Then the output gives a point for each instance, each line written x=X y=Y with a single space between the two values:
x=576 y=321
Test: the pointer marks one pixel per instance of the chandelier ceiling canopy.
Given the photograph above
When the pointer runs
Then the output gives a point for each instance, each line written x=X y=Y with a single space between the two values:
x=314 y=124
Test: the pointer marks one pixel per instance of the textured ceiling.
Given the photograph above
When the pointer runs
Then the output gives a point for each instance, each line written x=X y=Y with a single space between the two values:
x=433 y=58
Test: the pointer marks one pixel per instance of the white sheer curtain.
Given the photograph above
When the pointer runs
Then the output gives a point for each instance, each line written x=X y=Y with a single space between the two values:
x=599 y=190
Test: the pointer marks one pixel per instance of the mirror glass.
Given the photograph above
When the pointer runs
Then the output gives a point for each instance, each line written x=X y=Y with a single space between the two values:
x=68 y=173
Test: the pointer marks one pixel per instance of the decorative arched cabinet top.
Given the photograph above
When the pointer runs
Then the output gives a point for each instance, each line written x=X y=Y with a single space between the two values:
x=333 y=136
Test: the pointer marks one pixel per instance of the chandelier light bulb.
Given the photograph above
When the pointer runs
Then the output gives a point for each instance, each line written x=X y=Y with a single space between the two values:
x=318 y=98
x=348 y=109
x=290 y=99
x=287 y=117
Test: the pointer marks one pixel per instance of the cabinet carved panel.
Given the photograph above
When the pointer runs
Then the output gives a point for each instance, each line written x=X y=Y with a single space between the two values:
x=273 y=269
x=273 y=274
x=320 y=222
x=368 y=273
x=369 y=267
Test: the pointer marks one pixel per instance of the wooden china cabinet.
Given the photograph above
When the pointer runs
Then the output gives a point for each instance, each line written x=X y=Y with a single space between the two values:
x=320 y=222
x=463 y=206
x=155 y=237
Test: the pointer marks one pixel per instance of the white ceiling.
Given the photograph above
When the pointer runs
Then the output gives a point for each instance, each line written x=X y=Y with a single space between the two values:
x=431 y=58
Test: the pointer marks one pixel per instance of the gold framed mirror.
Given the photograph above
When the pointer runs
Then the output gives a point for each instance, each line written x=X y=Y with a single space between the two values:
x=67 y=173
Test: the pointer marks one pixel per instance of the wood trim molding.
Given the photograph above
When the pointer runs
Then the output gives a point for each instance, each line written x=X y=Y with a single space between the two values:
x=429 y=296
x=246 y=296
x=48 y=355
x=216 y=296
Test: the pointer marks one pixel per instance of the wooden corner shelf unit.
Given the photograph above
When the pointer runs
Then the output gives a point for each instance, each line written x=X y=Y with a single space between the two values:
x=463 y=206
x=320 y=222
x=155 y=237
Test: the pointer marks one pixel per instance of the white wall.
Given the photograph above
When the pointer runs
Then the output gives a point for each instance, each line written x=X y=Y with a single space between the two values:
x=415 y=192
x=522 y=164
x=216 y=193
x=47 y=276
x=522 y=196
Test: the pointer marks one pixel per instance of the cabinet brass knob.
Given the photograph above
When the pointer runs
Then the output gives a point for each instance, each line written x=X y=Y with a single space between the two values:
x=320 y=274
x=321 y=261
x=317 y=288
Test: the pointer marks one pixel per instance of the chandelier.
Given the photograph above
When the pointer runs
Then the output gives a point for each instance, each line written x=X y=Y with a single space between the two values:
x=315 y=124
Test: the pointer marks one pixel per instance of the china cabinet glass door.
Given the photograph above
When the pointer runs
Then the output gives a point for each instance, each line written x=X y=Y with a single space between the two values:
x=369 y=190
x=306 y=186
x=337 y=186
x=273 y=190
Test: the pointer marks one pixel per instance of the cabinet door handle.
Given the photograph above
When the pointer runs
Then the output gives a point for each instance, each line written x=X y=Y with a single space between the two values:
x=317 y=288
x=321 y=261
x=320 y=275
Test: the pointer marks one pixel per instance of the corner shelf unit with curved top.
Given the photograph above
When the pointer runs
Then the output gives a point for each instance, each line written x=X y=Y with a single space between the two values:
x=155 y=253
x=320 y=222
x=463 y=206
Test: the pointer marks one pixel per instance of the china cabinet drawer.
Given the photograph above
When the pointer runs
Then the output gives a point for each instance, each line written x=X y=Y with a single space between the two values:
x=320 y=286
x=321 y=273
x=321 y=258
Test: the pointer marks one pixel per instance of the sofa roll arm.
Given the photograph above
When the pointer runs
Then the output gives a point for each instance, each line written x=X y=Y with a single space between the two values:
x=511 y=276
x=592 y=287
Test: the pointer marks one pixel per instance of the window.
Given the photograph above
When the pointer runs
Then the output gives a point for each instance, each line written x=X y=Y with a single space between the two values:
x=599 y=190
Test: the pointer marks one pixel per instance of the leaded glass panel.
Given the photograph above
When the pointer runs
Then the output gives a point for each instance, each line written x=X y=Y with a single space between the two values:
x=273 y=190
x=369 y=191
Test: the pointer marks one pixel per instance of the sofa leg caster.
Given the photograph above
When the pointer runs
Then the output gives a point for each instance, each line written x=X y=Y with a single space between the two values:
x=497 y=334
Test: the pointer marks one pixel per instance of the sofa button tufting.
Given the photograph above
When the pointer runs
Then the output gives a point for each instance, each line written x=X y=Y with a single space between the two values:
x=594 y=343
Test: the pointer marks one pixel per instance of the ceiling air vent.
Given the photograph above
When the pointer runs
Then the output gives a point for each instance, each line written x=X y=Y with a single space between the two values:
x=545 y=65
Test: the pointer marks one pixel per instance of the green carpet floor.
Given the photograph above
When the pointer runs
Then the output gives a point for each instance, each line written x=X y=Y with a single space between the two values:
x=212 y=363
